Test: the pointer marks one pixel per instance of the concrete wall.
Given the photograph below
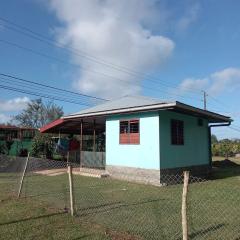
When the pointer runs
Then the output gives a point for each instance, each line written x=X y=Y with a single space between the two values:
x=195 y=150
x=146 y=154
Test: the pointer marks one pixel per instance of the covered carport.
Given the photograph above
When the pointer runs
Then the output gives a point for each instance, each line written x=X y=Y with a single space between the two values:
x=90 y=134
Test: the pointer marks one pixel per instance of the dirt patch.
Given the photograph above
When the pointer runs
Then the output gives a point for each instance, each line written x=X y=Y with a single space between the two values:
x=114 y=235
x=52 y=172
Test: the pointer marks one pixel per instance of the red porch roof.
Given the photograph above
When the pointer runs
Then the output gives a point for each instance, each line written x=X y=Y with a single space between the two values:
x=57 y=123
x=73 y=126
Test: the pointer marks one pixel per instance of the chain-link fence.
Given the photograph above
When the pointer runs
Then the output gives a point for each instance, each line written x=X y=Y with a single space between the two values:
x=214 y=209
x=11 y=169
x=142 y=211
x=126 y=209
x=46 y=181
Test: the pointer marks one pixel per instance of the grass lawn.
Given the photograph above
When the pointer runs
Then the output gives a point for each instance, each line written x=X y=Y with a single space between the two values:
x=26 y=219
x=112 y=209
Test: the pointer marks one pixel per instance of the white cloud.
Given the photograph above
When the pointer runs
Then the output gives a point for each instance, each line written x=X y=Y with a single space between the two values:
x=119 y=32
x=15 y=104
x=191 y=15
x=226 y=80
x=195 y=84
x=4 y=118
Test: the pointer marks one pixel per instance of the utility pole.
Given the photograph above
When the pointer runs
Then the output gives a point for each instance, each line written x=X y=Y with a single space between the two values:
x=205 y=99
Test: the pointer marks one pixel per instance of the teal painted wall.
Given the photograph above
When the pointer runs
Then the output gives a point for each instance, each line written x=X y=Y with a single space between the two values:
x=195 y=150
x=17 y=146
x=146 y=154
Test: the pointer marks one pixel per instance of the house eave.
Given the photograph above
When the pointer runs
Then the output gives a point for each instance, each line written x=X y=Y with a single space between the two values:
x=174 y=106
x=211 y=116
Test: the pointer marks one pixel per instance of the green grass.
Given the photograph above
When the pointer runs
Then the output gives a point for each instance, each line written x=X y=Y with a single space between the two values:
x=112 y=209
x=24 y=219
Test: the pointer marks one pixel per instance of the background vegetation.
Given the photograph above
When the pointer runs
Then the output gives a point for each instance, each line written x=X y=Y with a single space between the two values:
x=43 y=146
x=38 y=114
x=225 y=147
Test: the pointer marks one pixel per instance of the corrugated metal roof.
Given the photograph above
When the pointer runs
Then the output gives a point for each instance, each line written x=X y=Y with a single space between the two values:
x=130 y=104
x=121 y=103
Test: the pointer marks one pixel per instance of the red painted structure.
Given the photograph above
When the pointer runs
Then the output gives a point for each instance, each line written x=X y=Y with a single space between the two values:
x=57 y=123
x=9 y=132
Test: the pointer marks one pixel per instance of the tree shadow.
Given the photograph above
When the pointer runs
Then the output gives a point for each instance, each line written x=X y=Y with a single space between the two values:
x=203 y=232
x=82 y=237
x=42 y=217
x=32 y=218
x=101 y=208
x=224 y=169
x=206 y=231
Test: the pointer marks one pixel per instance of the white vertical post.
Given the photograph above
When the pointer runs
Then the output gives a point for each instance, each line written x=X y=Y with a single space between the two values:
x=68 y=158
x=184 y=206
x=23 y=175
x=81 y=145
x=94 y=136
x=71 y=190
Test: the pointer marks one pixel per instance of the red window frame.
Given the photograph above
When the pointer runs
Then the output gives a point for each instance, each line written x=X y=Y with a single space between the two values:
x=177 y=132
x=129 y=131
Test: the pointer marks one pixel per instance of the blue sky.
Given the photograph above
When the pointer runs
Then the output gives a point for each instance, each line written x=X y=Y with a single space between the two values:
x=182 y=47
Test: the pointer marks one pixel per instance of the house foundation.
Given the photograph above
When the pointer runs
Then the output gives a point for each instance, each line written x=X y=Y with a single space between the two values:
x=157 y=177
x=175 y=175
x=139 y=175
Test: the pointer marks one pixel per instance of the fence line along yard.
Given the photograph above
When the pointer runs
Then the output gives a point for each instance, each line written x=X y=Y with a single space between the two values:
x=202 y=209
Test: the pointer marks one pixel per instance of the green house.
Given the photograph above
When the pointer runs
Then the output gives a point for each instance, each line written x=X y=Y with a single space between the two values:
x=16 y=140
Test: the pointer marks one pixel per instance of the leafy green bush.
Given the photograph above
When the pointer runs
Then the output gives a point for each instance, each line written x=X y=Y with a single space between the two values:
x=9 y=144
x=3 y=148
x=226 y=148
x=43 y=146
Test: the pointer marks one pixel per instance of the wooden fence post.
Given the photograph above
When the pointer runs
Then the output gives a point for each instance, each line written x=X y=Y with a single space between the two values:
x=184 y=206
x=23 y=175
x=72 y=206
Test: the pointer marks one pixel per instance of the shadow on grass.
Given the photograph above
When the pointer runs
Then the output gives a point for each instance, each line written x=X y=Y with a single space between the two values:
x=112 y=206
x=206 y=231
x=224 y=169
x=82 y=237
x=32 y=218
x=46 y=194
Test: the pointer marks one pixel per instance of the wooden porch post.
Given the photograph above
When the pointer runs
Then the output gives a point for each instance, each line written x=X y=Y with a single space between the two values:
x=81 y=143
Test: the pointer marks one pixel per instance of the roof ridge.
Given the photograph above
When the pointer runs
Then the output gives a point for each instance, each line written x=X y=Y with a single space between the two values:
x=140 y=97
x=128 y=101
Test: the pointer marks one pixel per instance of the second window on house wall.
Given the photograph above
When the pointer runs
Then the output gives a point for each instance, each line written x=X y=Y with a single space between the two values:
x=177 y=132
x=129 y=132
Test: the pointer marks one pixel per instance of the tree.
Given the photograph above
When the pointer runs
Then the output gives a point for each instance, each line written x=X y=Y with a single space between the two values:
x=43 y=146
x=214 y=139
x=38 y=113
x=226 y=147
